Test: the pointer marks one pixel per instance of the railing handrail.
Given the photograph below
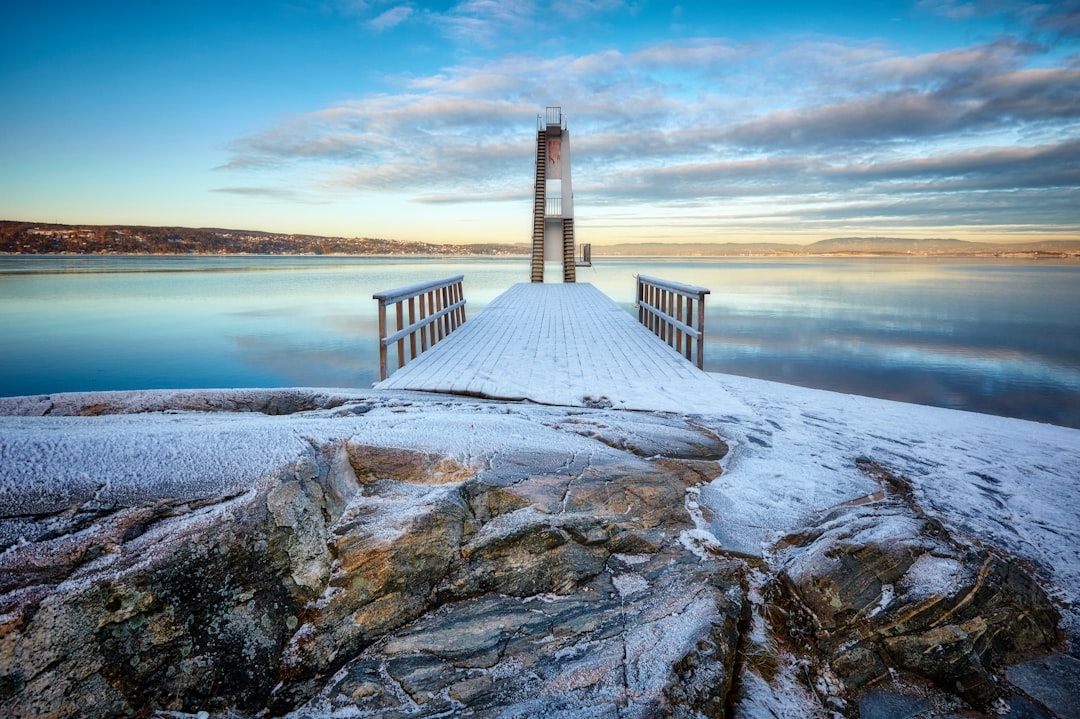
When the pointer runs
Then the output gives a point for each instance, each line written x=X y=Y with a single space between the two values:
x=439 y=311
x=586 y=255
x=667 y=309
x=684 y=290
x=403 y=293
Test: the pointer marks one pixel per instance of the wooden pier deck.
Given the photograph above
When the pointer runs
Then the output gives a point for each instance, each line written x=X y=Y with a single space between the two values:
x=564 y=344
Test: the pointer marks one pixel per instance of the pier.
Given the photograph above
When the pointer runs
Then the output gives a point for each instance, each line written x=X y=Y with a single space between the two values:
x=560 y=343
x=564 y=344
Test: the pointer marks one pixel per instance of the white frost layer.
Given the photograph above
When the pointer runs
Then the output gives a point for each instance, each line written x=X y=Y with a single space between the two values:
x=1012 y=483
x=48 y=463
x=930 y=576
x=629 y=583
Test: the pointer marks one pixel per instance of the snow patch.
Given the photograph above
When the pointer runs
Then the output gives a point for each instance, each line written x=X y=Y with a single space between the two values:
x=888 y=593
x=930 y=575
x=701 y=542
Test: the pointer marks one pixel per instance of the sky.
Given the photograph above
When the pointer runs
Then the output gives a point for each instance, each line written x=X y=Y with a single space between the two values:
x=707 y=121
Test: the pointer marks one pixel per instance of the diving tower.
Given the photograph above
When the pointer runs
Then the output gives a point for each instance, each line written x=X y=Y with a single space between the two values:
x=553 y=200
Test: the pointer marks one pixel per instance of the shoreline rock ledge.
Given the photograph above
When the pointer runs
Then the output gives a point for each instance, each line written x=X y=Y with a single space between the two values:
x=422 y=557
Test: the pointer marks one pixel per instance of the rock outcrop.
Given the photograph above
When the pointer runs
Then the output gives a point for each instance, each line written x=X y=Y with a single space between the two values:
x=876 y=587
x=391 y=579
x=436 y=557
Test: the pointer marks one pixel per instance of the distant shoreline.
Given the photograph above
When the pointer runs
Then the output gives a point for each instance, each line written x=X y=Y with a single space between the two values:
x=49 y=239
x=1012 y=255
x=596 y=255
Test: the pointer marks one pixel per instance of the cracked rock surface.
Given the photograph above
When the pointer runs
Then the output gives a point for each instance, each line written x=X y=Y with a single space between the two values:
x=318 y=554
x=402 y=562
x=877 y=588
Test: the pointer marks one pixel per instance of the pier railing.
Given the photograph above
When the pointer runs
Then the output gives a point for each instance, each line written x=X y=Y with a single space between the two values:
x=586 y=255
x=432 y=310
x=675 y=313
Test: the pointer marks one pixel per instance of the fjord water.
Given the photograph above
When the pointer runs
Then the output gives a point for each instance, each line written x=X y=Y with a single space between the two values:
x=993 y=336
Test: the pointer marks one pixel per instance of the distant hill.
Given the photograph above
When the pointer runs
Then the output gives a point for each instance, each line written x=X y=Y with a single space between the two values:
x=697 y=249
x=42 y=238
x=877 y=246
x=35 y=238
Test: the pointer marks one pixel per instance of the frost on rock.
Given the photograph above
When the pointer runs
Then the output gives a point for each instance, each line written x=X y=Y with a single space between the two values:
x=318 y=553
x=419 y=556
x=879 y=587
x=265 y=401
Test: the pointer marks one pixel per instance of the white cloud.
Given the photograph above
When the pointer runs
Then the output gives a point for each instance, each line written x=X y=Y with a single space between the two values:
x=485 y=21
x=276 y=194
x=391 y=18
x=699 y=122
x=1055 y=18
x=953 y=9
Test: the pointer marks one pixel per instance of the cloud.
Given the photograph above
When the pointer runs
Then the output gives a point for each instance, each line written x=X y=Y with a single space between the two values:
x=495 y=22
x=694 y=55
x=390 y=18
x=1060 y=19
x=986 y=170
x=1028 y=167
x=462 y=197
x=900 y=98
x=483 y=22
x=817 y=130
x=280 y=194
x=1056 y=18
x=953 y=9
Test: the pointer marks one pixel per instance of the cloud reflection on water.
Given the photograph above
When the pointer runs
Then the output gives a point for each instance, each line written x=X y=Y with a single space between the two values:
x=990 y=336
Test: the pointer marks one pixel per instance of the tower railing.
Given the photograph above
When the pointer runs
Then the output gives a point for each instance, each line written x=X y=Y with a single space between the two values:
x=553 y=207
x=675 y=313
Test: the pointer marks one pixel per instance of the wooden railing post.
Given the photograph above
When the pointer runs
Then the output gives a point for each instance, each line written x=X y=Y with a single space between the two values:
x=640 y=299
x=701 y=331
x=412 y=321
x=441 y=311
x=667 y=310
x=382 y=333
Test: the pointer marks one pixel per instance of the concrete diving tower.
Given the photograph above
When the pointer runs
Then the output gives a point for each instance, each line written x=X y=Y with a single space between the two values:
x=553 y=202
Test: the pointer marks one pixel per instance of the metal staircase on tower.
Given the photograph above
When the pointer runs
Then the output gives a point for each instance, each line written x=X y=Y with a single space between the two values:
x=539 y=206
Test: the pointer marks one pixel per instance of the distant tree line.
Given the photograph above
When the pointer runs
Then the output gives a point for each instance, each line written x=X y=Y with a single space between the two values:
x=40 y=238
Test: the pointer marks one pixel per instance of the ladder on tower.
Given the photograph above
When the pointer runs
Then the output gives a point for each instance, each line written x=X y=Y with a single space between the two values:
x=539 y=206
x=569 y=264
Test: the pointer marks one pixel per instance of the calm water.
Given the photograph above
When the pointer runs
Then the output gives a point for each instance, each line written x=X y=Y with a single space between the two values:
x=1000 y=337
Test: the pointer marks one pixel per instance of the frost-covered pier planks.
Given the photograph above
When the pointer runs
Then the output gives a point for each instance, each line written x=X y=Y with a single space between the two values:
x=565 y=344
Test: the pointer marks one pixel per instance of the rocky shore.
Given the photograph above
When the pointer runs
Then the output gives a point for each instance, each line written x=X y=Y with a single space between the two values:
x=317 y=553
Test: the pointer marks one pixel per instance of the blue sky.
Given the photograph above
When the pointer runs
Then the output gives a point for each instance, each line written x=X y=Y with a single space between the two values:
x=696 y=121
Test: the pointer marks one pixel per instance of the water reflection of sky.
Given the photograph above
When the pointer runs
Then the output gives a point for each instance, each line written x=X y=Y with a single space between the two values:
x=988 y=336
x=975 y=336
